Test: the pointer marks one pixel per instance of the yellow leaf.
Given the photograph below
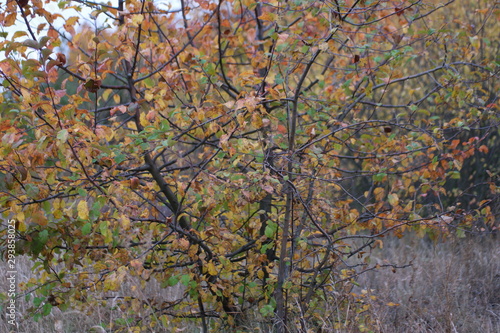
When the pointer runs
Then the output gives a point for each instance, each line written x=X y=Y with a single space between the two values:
x=125 y=222
x=83 y=210
x=18 y=34
x=144 y=121
x=20 y=217
x=211 y=269
x=393 y=199
x=72 y=20
x=116 y=98
x=111 y=283
x=21 y=226
x=257 y=120
x=148 y=96
x=114 y=281
x=137 y=19
x=268 y=16
x=379 y=193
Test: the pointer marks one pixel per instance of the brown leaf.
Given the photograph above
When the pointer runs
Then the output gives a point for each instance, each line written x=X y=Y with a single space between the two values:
x=268 y=189
x=134 y=183
x=397 y=38
x=50 y=65
x=24 y=173
x=61 y=59
x=22 y=3
x=92 y=85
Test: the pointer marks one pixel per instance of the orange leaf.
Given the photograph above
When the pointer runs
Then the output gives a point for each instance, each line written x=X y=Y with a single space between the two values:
x=454 y=144
x=483 y=149
x=282 y=129
x=52 y=33
x=39 y=218
x=10 y=19
x=151 y=116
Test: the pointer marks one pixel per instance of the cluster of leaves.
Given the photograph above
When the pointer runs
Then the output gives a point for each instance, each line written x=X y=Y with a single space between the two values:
x=250 y=152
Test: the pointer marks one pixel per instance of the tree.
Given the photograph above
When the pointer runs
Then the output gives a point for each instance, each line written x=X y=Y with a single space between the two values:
x=251 y=152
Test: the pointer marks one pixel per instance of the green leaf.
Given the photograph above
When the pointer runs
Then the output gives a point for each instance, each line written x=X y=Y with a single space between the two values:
x=278 y=79
x=185 y=279
x=31 y=43
x=46 y=309
x=87 y=228
x=267 y=310
x=149 y=82
x=271 y=229
x=172 y=281
x=120 y=158
x=62 y=135
x=104 y=228
x=379 y=177
x=32 y=190
x=37 y=301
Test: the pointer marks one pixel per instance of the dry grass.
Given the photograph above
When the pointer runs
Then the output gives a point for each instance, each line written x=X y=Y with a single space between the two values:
x=94 y=318
x=452 y=286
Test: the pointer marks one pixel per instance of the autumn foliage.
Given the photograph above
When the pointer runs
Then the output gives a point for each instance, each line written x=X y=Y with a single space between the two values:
x=248 y=153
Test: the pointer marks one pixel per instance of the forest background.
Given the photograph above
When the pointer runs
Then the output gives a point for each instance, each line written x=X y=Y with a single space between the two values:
x=288 y=166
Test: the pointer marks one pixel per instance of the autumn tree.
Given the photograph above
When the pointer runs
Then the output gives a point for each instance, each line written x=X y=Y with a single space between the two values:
x=249 y=153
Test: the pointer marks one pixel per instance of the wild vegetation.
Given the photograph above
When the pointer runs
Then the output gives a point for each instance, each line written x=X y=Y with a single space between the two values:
x=243 y=160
